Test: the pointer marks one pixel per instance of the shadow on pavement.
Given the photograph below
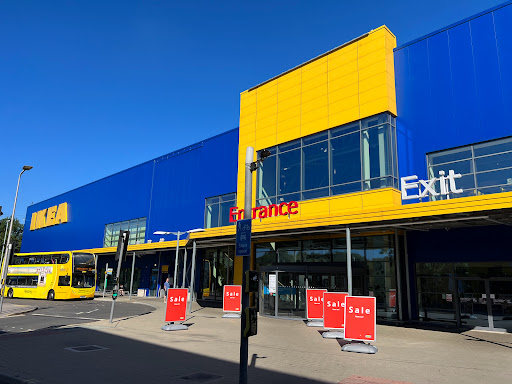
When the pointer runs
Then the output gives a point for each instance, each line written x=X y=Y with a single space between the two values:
x=104 y=357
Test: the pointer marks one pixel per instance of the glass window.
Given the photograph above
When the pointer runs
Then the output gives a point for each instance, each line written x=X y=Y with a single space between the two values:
x=288 y=252
x=322 y=136
x=217 y=210
x=267 y=178
x=345 y=159
x=375 y=152
x=449 y=156
x=137 y=228
x=345 y=129
x=346 y=188
x=462 y=167
x=375 y=120
x=487 y=179
x=315 y=166
x=289 y=146
x=495 y=146
x=316 y=251
x=315 y=193
x=289 y=171
x=488 y=163
x=265 y=254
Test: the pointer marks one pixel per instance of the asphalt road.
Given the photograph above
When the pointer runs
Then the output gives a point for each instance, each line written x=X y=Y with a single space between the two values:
x=51 y=314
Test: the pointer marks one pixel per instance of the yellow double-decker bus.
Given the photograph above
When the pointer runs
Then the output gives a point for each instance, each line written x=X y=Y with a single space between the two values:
x=51 y=275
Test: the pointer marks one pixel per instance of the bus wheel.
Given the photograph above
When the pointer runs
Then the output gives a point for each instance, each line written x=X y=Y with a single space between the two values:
x=10 y=293
x=51 y=295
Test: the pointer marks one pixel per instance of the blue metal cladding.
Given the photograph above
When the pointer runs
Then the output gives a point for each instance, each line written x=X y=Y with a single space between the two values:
x=170 y=191
x=454 y=87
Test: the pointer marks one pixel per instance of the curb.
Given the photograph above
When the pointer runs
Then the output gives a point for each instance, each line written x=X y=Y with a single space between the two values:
x=21 y=312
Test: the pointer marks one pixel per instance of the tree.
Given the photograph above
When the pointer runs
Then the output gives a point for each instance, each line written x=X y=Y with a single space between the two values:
x=16 y=235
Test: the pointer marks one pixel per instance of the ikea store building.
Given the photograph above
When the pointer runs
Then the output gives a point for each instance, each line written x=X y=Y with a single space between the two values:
x=404 y=151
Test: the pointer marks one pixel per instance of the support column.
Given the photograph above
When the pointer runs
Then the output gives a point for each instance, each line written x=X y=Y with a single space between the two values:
x=398 y=277
x=349 y=261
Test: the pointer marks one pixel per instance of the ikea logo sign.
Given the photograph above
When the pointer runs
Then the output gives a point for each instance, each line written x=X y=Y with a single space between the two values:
x=48 y=217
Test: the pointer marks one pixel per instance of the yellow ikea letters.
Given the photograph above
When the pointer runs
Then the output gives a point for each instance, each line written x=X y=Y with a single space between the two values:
x=50 y=216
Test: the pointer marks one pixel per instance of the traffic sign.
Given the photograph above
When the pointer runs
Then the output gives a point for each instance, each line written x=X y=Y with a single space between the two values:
x=334 y=304
x=315 y=305
x=109 y=271
x=360 y=318
x=232 y=301
x=176 y=309
x=243 y=237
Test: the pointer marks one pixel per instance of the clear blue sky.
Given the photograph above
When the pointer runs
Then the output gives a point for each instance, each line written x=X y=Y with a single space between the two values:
x=89 y=88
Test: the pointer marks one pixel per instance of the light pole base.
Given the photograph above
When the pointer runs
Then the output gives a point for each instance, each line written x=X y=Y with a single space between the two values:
x=174 y=327
x=231 y=316
x=333 y=335
x=359 y=348
x=315 y=323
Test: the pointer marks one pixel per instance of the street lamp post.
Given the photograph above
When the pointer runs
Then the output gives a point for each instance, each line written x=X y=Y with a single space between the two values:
x=5 y=260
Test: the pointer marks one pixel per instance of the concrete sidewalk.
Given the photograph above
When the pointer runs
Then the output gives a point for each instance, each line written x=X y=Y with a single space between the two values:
x=135 y=350
x=15 y=309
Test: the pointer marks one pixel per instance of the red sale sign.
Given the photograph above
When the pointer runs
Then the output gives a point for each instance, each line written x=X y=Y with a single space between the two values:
x=334 y=315
x=315 y=305
x=360 y=318
x=176 y=309
x=232 y=301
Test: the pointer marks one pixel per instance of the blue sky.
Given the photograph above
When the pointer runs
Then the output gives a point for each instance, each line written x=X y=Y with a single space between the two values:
x=89 y=88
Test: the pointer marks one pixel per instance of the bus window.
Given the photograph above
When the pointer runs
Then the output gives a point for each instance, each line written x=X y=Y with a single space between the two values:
x=12 y=280
x=63 y=281
x=64 y=259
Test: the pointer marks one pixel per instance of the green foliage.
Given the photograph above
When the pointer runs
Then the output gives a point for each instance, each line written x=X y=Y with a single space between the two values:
x=17 y=232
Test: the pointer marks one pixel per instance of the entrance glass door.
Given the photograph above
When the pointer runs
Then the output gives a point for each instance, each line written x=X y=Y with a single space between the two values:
x=486 y=303
x=283 y=294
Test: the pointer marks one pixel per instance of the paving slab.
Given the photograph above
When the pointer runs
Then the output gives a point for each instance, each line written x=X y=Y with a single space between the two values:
x=15 y=309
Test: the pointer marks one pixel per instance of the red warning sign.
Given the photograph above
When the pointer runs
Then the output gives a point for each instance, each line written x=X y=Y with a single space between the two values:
x=360 y=318
x=334 y=315
x=232 y=301
x=315 y=305
x=176 y=309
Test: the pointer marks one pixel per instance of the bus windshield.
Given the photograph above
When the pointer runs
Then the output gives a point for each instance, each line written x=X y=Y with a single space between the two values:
x=84 y=265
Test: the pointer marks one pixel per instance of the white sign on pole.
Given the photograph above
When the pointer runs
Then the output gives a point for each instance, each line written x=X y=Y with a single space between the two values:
x=109 y=271
x=272 y=283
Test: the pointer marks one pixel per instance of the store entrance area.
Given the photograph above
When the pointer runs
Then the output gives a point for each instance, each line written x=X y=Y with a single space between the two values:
x=475 y=295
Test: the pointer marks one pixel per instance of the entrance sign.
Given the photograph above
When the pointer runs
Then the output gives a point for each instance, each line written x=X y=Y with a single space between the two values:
x=176 y=309
x=360 y=318
x=243 y=237
x=264 y=211
x=315 y=305
x=334 y=314
x=446 y=185
x=232 y=301
x=272 y=283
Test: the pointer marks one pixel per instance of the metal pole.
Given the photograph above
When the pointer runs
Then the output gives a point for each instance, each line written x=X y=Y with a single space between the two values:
x=13 y=211
x=192 y=275
x=349 y=261
x=175 y=277
x=131 y=280
x=244 y=341
x=5 y=235
x=399 y=284
x=184 y=268
x=106 y=275
x=116 y=286
x=8 y=252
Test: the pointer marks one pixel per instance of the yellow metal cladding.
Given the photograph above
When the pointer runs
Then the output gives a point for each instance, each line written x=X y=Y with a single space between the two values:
x=350 y=83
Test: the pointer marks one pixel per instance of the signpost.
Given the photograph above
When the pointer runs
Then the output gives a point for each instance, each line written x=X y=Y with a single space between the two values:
x=243 y=237
x=176 y=309
x=360 y=323
x=315 y=307
x=232 y=301
x=334 y=314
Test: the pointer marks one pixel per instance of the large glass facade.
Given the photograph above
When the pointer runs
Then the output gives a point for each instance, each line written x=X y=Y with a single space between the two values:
x=216 y=271
x=137 y=228
x=322 y=263
x=485 y=167
x=216 y=213
x=354 y=157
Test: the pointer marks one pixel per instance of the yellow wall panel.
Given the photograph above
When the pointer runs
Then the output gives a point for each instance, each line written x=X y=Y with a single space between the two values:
x=373 y=83
x=289 y=93
x=368 y=60
x=289 y=114
x=293 y=102
x=283 y=126
x=266 y=91
x=314 y=104
x=343 y=70
x=373 y=107
x=371 y=47
x=248 y=110
x=317 y=125
x=372 y=70
x=247 y=119
x=342 y=57
x=314 y=69
x=311 y=94
x=343 y=93
x=341 y=82
x=318 y=207
x=343 y=117
x=246 y=140
x=343 y=203
x=263 y=123
x=288 y=135
x=265 y=142
x=373 y=94
x=267 y=103
x=337 y=105
x=247 y=99
x=314 y=83
x=289 y=80
x=318 y=113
